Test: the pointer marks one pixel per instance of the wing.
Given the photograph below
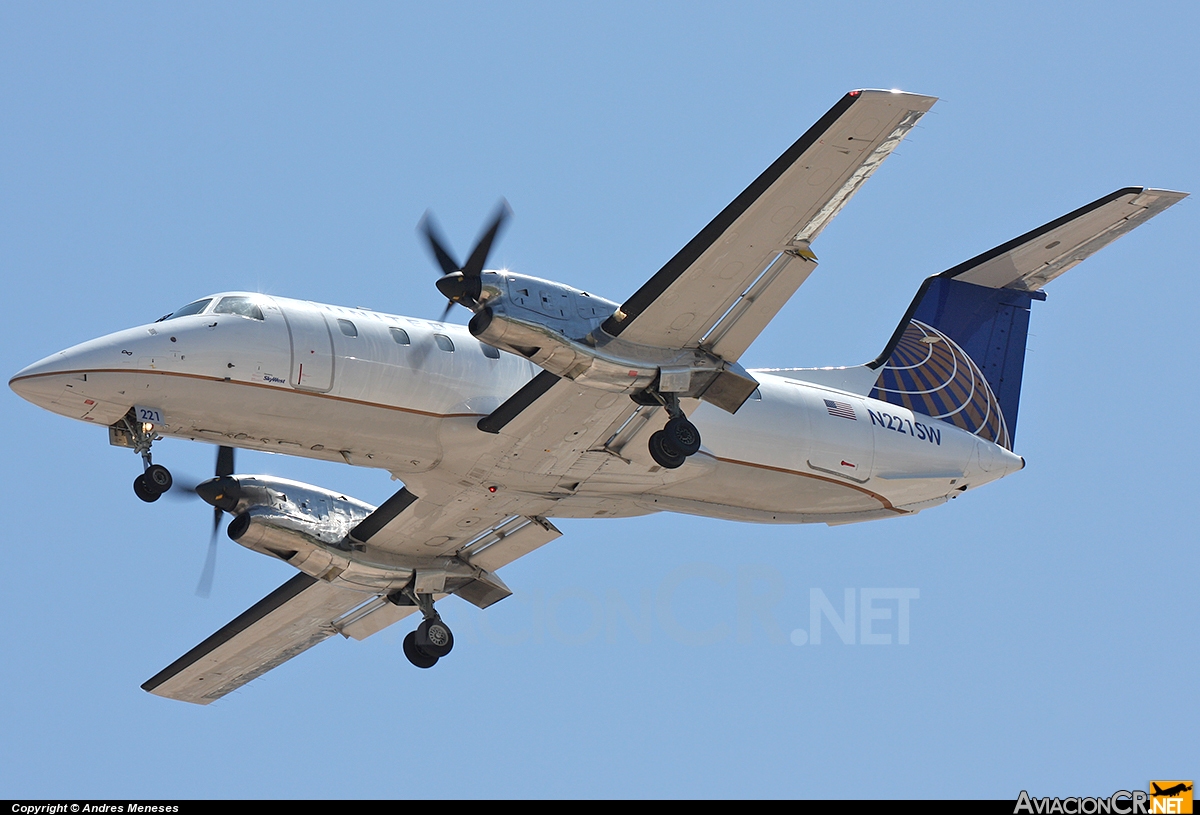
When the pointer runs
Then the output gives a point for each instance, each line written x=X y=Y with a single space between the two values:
x=722 y=289
x=296 y=616
x=306 y=610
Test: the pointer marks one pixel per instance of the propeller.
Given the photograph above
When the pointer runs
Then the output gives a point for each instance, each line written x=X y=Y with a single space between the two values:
x=224 y=468
x=462 y=283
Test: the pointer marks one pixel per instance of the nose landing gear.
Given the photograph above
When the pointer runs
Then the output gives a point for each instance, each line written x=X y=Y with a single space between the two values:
x=156 y=479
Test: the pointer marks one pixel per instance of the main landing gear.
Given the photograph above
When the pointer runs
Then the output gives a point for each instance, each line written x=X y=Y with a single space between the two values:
x=156 y=479
x=433 y=639
x=672 y=445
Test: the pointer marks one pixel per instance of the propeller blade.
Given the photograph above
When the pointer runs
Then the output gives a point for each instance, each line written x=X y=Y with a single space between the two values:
x=437 y=244
x=474 y=264
x=184 y=488
x=204 y=587
x=224 y=460
x=224 y=468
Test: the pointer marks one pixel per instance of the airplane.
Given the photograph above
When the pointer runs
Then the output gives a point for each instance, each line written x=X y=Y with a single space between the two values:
x=558 y=403
x=1169 y=792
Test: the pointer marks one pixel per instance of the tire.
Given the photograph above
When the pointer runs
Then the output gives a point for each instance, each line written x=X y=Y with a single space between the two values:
x=143 y=490
x=682 y=435
x=664 y=453
x=434 y=638
x=158 y=478
x=415 y=655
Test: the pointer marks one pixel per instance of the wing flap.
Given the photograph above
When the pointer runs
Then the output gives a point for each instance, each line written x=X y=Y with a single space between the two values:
x=514 y=539
x=293 y=618
x=759 y=304
x=1032 y=260
x=783 y=210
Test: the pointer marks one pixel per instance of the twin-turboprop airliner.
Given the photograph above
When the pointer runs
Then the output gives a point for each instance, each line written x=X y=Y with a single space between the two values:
x=559 y=403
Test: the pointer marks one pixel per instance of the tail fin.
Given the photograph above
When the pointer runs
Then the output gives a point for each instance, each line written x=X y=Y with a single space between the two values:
x=959 y=351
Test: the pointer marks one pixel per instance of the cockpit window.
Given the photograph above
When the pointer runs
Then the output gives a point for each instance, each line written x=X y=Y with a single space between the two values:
x=190 y=308
x=245 y=306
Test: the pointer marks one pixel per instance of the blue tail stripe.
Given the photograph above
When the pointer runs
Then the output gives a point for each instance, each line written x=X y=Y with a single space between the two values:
x=991 y=325
x=988 y=327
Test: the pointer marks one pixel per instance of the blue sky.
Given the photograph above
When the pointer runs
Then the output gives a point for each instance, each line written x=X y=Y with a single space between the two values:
x=153 y=153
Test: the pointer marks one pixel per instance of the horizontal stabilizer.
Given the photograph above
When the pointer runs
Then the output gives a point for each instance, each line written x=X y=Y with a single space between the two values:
x=1034 y=259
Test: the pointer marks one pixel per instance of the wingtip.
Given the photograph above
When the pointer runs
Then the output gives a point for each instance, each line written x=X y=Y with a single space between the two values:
x=1151 y=197
x=858 y=92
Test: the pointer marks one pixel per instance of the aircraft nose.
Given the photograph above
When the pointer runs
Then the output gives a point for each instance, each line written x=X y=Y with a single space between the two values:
x=67 y=382
x=41 y=380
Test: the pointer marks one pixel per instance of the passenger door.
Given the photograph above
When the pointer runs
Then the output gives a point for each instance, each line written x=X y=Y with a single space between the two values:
x=312 y=347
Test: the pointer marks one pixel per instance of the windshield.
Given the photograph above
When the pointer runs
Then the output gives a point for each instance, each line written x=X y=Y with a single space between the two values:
x=245 y=306
x=190 y=308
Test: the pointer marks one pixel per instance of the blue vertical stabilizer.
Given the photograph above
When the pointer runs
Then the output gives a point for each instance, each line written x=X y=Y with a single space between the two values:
x=958 y=355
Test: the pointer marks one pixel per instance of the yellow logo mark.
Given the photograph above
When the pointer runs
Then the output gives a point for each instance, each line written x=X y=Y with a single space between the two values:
x=1170 y=797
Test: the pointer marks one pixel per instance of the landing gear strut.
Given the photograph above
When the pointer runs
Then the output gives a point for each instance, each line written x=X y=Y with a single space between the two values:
x=433 y=639
x=156 y=479
x=672 y=445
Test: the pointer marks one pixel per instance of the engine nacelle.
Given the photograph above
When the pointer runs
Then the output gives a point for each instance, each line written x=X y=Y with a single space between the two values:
x=310 y=528
x=559 y=328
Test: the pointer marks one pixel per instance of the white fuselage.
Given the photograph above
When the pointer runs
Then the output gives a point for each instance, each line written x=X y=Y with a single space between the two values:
x=339 y=384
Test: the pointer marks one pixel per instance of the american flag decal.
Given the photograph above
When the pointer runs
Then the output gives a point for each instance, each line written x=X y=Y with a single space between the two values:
x=842 y=409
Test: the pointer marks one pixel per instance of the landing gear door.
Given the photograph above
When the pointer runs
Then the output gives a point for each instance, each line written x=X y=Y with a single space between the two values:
x=312 y=348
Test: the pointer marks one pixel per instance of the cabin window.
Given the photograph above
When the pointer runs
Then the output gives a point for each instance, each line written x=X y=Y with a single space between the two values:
x=244 y=306
x=347 y=328
x=190 y=308
x=489 y=351
x=400 y=336
x=443 y=342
